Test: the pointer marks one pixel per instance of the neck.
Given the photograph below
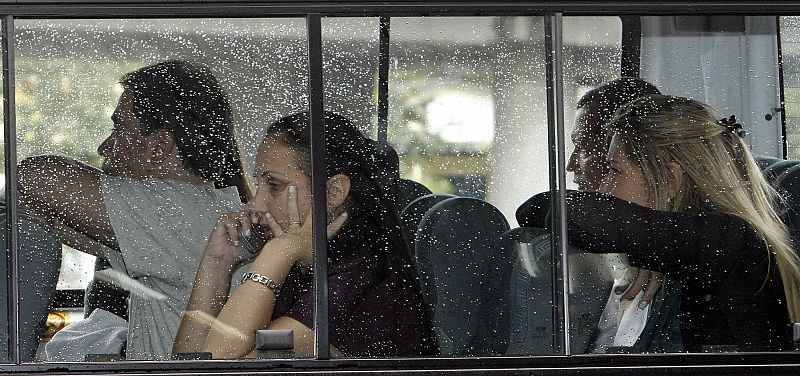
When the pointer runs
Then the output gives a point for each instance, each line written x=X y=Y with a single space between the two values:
x=173 y=170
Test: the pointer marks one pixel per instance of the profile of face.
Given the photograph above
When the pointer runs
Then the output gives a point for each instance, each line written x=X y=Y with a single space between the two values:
x=276 y=169
x=625 y=179
x=125 y=151
x=588 y=161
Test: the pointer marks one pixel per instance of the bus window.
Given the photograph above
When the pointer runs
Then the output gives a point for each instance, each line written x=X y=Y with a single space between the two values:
x=790 y=53
x=468 y=117
x=78 y=101
x=661 y=143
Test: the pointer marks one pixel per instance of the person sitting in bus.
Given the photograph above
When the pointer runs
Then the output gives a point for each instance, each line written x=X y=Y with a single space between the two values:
x=171 y=166
x=375 y=299
x=685 y=197
x=595 y=108
x=588 y=161
x=622 y=320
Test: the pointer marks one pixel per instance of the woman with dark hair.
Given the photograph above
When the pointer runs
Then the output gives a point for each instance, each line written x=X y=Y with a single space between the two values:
x=376 y=303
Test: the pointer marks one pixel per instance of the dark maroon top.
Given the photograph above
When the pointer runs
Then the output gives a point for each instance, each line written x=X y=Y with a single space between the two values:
x=374 y=312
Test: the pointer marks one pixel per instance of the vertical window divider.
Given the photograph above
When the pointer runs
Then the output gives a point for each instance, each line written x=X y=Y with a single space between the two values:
x=10 y=134
x=318 y=179
x=558 y=175
x=383 y=79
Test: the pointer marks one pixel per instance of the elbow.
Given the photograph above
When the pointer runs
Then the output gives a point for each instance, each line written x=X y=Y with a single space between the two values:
x=230 y=346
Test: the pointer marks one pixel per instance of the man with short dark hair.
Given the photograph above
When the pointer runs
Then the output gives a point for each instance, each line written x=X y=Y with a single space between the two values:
x=596 y=107
x=171 y=166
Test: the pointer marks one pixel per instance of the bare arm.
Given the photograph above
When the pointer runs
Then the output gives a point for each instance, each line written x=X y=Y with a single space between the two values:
x=66 y=194
x=226 y=328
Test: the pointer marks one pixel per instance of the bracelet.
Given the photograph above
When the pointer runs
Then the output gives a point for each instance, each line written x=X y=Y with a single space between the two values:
x=262 y=279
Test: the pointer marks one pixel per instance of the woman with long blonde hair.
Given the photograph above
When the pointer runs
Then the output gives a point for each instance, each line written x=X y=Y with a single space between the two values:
x=687 y=199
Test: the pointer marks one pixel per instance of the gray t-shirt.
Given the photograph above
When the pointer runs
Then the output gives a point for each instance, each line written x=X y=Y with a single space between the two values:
x=161 y=227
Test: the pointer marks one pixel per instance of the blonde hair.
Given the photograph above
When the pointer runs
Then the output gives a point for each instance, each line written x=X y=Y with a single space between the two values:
x=719 y=172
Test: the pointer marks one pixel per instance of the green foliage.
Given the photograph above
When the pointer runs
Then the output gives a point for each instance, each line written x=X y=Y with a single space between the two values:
x=64 y=106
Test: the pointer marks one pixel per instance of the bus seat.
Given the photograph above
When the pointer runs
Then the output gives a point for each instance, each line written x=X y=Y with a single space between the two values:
x=408 y=191
x=788 y=184
x=39 y=253
x=532 y=293
x=764 y=161
x=774 y=171
x=456 y=239
x=413 y=212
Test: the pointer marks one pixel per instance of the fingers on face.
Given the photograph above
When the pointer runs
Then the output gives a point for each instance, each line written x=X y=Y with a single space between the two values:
x=294 y=214
x=231 y=224
x=245 y=222
x=337 y=224
x=273 y=224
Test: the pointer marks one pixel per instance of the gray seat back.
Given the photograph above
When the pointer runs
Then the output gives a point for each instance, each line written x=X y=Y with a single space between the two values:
x=456 y=239
x=535 y=293
x=39 y=263
x=774 y=171
x=764 y=161
x=412 y=214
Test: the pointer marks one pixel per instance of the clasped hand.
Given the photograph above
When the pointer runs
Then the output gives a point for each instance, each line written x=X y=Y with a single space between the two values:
x=636 y=280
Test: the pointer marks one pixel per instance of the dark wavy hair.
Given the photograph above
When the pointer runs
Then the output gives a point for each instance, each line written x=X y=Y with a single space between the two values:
x=187 y=100
x=374 y=170
x=613 y=94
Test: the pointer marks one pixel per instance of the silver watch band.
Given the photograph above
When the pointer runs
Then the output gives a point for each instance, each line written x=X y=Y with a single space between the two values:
x=262 y=279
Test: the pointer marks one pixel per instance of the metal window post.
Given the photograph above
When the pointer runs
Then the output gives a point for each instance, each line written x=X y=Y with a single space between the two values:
x=383 y=79
x=320 y=214
x=558 y=175
x=10 y=135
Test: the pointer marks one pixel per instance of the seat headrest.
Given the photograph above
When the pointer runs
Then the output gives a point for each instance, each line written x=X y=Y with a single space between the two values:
x=775 y=170
x=788 y=183
x=764 y=161
x=408 y=191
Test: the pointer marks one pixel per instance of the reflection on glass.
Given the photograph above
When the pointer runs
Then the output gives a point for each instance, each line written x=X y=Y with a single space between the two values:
x=790 y=54
x=468 y=118
x=726 y=258
x=138 y=173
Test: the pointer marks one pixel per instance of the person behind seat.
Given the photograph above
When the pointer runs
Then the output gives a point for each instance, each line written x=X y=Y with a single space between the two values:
x=376 y=303
x=692 y=203
x=154 y=199
x=588 y=163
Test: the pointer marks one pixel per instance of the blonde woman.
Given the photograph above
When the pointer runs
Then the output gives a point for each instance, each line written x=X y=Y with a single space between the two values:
x=687 y=199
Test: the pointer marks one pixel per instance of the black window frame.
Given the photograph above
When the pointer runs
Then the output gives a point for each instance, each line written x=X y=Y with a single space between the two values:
x=734 y=363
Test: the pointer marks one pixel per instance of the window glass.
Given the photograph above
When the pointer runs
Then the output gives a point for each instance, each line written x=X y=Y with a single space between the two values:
x=679 y=286
x=468 y=117
x=72 y=108
x=5 y=289
x=592 y=55
x=790 y=54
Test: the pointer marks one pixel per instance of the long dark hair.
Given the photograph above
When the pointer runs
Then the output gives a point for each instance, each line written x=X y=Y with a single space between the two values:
x=374 y=170
x=187 y=100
